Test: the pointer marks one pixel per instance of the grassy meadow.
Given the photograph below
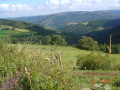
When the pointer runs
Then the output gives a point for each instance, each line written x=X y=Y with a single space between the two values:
x=6 y=31
x=43 y=67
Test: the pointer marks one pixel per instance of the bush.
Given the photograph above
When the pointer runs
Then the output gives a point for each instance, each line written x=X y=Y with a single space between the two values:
x=46 y=40
x=87 y=43
x=117 y=67
x=58 y=40
x=116 y=82
x=93 y=61
x=54 y=40
x=115 y=48
x=10 y=40
x=104 y=48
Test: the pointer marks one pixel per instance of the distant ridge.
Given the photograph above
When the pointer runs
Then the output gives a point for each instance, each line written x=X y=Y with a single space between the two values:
x=60 y=19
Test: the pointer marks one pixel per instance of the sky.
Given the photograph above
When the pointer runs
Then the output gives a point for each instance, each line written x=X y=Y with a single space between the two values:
x=20 y=8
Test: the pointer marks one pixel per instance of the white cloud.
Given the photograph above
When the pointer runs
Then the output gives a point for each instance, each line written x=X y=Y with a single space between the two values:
x=55 y=6
x=18 y=7
x=74 y=4
x=117 y=1
x=4 y=6
x=64 y=2
x=83 y=4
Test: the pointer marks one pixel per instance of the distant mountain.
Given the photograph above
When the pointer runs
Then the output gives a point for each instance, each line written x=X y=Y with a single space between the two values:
x=74 y=32
x=116 y=12
x=65 y=18
x=27 y=19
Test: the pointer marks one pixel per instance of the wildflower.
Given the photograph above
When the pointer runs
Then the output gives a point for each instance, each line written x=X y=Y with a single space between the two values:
x=97 y=85
x=48 y=59
x=107 y=87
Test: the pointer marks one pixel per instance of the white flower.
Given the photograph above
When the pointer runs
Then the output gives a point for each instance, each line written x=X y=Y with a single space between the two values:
x=97 y=85
x=48 y=59
x=107 y=87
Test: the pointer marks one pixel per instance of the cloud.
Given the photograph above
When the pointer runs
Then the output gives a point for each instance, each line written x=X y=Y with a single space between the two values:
x=19 y=10
x=82 y=4
x=18 y=7
x=55 y=6
x=72 y=4
x=117 y=1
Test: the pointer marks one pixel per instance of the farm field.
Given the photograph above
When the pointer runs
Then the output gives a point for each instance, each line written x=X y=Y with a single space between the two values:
x=6 y=31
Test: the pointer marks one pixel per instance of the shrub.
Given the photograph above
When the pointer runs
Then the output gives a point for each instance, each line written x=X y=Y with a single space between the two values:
x=117 y=67
x=93 y=61
x=58 y=40
x=10 y=40
x=116 y=82
x=54 y=40
x=46 y=40
x=87 y=43
x=115 y=48
x=104 y=48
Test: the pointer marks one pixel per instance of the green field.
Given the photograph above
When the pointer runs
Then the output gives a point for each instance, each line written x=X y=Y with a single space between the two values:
x=43 y=67
x=16 y=33
x=85 y=23
x=68 y=79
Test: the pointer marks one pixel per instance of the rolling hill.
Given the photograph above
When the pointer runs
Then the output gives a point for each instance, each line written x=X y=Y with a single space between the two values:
x=73 y=25
x=65 y=18
x=22 y=30
x=28 y=19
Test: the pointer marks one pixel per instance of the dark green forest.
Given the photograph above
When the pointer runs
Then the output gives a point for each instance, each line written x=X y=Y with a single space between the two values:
x=98 y=30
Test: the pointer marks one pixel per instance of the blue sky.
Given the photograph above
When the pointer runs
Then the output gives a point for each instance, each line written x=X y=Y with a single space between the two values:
x=19 y=8
x=29 y=2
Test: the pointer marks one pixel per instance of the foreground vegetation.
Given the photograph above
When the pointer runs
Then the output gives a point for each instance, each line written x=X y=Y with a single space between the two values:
x=38 y=67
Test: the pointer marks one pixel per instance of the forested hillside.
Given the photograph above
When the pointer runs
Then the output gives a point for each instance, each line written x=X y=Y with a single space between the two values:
x=99 y=30
x=74 y=32
x=65 y=18
x=103 y=36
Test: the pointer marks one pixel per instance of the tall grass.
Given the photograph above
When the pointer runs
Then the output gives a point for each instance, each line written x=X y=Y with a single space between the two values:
x=38 y=67
x=28 y=69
